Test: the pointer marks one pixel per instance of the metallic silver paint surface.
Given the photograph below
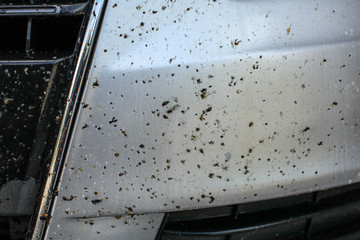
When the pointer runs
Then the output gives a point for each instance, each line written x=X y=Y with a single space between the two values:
x=208 y=103
x=137 y=227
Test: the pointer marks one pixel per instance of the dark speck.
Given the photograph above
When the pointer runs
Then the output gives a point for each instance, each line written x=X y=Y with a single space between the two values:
x=170 y=110
x=96 y=201
x=305 y=129
x=203 y=93
x=113 y=120
x=95 y=84
x=68 y=198
x=45 y=217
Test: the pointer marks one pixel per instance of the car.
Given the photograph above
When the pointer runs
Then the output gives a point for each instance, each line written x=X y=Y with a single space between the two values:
x=217 y=119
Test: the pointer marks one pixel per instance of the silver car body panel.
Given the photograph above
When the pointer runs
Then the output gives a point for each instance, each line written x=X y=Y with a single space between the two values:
x=135 y=227
x=200 y=104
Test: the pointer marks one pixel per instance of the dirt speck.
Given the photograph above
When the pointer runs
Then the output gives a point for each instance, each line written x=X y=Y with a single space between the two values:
x=288 y=30
x=96 y=84
x=96 y=201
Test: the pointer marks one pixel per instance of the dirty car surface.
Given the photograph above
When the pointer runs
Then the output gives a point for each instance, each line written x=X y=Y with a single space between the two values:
x=200 y=105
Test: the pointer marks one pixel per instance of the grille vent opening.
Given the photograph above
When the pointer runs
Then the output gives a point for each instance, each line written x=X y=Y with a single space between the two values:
x=40 y=30
x=13 y=35
x=58 y=34
x=38 y=37
x=329 y=214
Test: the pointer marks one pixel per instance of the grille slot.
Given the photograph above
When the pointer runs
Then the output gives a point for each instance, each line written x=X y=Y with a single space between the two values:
x=13 y=33
x=329 y=214
x=38 y=38
x=39 y=31
x=60 y=39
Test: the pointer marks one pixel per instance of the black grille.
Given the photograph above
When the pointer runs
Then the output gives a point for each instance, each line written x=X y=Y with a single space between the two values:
x=38 y=48
x=38 y=37
x=329 y=214
x=39 y=44
x=13 y=34
x=39 y=31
